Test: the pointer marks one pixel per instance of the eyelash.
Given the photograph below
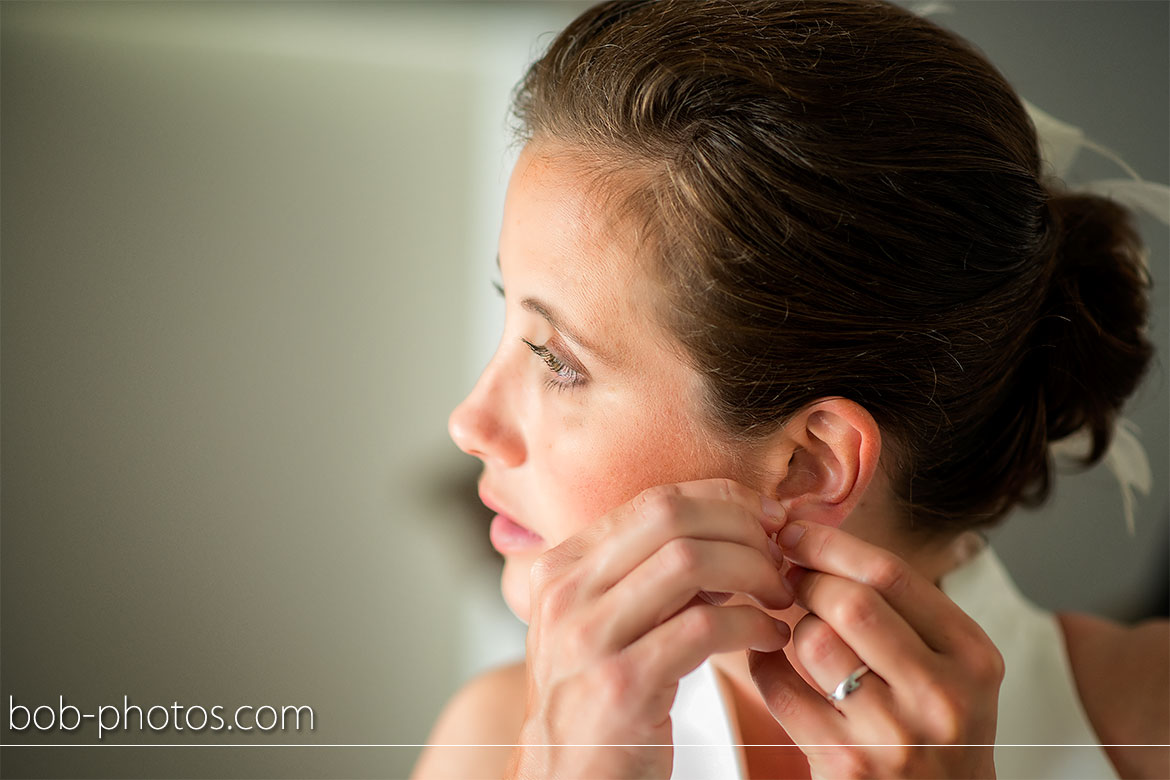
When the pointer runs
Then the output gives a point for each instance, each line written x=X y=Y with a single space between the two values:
x=565 y=376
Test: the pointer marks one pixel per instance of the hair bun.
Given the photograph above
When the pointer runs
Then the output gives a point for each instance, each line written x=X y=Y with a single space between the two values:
x=1093 y=325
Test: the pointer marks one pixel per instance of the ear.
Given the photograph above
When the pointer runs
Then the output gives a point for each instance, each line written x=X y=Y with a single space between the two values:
x=821 y=463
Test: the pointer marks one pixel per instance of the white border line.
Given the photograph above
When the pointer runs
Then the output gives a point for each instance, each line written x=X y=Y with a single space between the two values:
x=374 y=745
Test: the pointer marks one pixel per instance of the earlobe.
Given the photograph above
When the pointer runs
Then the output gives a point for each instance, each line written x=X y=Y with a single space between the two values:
x=827 y=457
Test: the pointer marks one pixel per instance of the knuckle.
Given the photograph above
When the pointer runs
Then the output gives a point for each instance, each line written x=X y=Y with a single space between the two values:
x=542 y=570
x=656 y=496
x=680 y=556
x=944 y=709
x=979 y=659
x=554 y=595
x=898 y=755
x=730 y=490
x=890 y=575
x=821 y=543
x=577 y=641
x=614 y=682
x=857 y=608
x=666 y=515
x=994 y=668
x=946 y=721
x=947 y=727
x=546 y=567
x=699 y=622
x=762 y=622
x=659 y=506
x=814 y=639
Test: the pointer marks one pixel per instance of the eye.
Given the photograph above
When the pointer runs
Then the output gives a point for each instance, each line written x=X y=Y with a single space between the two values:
x=565 y=376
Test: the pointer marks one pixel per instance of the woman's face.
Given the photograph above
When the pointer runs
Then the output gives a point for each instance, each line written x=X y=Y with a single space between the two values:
x=587 y=400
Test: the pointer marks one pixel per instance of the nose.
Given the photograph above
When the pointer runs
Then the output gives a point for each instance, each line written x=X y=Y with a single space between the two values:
x=483 y=425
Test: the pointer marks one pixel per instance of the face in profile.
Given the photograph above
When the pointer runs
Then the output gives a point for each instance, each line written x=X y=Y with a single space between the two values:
x=587 y=400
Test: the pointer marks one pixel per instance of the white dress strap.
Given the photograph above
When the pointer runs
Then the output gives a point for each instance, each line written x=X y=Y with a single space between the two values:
x=704 y=746
x=1038 y=701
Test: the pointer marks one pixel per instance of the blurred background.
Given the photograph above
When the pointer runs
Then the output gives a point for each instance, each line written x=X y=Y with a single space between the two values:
x=246 y=253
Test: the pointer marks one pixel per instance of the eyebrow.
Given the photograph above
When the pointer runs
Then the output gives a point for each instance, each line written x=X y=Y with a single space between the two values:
x=537 y=306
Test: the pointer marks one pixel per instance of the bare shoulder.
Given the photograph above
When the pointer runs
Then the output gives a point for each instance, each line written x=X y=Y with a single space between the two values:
x=1123 y=677
x=487 y=711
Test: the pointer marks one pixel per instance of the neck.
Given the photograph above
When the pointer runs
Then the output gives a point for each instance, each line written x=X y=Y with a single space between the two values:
x=931 y=556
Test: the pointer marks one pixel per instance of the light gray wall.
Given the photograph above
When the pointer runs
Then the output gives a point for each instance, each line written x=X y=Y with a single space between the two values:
x=236 y=252
x=246 y=253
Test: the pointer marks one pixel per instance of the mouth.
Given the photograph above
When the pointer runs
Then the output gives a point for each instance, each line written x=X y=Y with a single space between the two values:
x=508 y=536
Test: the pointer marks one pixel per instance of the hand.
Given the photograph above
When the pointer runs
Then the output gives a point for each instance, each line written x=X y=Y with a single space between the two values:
x=617 y=619
x=934 y=675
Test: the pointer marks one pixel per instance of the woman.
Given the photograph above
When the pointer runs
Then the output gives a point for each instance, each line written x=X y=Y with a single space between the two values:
x=790 y=313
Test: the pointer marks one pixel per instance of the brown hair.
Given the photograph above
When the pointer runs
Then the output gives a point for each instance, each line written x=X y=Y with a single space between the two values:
x=847 y=200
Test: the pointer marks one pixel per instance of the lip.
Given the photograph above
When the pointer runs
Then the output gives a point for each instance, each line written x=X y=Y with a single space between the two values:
x=506 y=534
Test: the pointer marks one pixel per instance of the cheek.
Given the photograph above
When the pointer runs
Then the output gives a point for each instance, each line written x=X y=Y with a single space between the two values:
x=596 y=465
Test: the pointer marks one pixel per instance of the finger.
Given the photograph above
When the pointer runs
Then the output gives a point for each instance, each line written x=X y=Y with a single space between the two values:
x=710 y=509
x=669 y=579
x=933 y=616
x=769 y=511
x=829 y=661
x=800 y=709
x=678 y=646
x=878 y=635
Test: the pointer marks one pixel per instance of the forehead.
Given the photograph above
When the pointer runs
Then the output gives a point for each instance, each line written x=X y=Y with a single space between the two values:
x=555 y=207
x=561 y=241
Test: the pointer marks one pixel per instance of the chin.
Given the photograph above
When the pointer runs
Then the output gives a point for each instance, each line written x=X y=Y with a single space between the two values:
x=515 y=587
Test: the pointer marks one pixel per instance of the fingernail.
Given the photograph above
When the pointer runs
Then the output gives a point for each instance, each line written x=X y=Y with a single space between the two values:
x=784 y=583
x=772 y=507
x=794 y=575
x=783 y=630
x=790 y=534
x=714 y=597
x=774 y=548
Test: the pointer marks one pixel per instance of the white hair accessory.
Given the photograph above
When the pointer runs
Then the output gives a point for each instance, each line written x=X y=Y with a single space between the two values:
x=1126 y=458
x=1060 y=143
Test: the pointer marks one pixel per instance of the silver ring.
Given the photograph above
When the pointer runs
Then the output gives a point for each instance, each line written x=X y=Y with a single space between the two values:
x=849 y=684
